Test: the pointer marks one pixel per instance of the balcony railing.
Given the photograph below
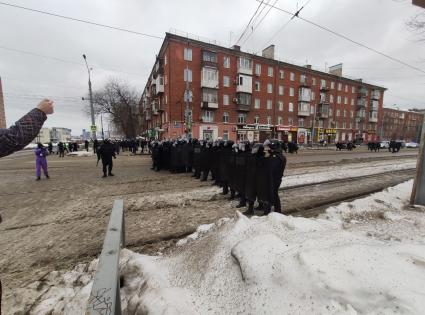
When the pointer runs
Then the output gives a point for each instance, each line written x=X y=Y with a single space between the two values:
x=303 y=110
x=362 y=92
x=323 y=111
x=361 y=103
x=244 y=107
x=375 y=95
x=209 y=105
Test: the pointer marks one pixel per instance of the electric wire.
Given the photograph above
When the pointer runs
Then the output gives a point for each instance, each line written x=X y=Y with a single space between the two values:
x=82 y=21
x=250 y=20
x=348 y=39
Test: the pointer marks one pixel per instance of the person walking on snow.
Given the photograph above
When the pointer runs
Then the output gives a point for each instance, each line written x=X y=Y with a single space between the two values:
x=41 y=161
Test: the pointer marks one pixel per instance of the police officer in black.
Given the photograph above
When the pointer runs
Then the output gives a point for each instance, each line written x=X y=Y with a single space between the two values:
x=106 y=152
x=274 y=164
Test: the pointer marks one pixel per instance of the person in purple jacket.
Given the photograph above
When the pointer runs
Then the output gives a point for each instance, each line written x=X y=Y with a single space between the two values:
x=41 y=161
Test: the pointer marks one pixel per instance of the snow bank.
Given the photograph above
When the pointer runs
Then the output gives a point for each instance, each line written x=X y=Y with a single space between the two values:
x=81 y=153
x=365 y=256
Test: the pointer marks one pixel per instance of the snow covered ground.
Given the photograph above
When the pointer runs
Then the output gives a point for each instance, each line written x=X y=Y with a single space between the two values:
x=360 y=257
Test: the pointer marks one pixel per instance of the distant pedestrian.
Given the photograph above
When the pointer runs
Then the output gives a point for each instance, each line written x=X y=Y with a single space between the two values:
x=95 y=145
x=50 y=147
x=41 y=161
x=86 y=145
x=61 y=149
x=106 y=152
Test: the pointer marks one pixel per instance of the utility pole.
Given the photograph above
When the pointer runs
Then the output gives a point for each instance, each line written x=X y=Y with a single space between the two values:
x=188 y=116
x=93 y=123
x=418 y=191
x=101 y=124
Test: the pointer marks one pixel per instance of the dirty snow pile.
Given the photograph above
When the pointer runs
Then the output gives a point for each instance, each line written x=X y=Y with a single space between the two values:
x=360 y=257
x=81 y=153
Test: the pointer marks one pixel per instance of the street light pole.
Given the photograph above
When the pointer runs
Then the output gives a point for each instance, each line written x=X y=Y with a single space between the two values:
x=93 y=123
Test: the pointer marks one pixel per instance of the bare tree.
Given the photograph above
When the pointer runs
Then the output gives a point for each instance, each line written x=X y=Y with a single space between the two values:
x=120 y=102
x=417 y=25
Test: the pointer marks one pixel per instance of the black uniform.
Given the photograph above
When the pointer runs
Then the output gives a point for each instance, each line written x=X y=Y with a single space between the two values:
x=106 y=152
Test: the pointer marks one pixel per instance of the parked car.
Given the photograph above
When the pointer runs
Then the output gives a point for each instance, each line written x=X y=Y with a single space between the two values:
x=385 y=144
x=412 y=145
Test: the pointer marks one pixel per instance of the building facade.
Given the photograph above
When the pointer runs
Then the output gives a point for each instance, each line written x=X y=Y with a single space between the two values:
x=43 y=136
x=211 y=91
x=2 y=112
x=58 y=134
x=401 y=125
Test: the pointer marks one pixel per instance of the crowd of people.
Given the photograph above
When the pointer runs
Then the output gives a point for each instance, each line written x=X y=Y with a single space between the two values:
x=247 y=171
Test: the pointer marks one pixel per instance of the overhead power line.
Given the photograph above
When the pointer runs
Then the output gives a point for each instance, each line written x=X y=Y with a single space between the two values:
x=64 y=60
x=258 y=24
x=296 y=14
x=82 y=21
x=250 y=20
x=348 y=39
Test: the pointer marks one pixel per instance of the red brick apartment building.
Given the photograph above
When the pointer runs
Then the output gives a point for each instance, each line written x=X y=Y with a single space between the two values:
x=235 y=95
x=401 y=125
x=2 y=113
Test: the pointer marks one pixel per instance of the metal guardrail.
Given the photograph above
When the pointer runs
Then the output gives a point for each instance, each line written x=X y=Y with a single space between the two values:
x=105 y=294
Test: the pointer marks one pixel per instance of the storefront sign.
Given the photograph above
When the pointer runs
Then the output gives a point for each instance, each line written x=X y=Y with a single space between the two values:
x=330 y=131
x=255 y=127
x=371 y=132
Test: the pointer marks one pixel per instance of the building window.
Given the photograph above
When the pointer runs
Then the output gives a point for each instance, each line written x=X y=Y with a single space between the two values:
x=209 y=56
x=291 y=91
x=290 y=121
x=338 y=113
x=332 y=85
x=292 y=76
x=291 y=107
x=313 y=96
x=225 y=117
x=244 y=98
x=344 y=125
x=353 y=89
x=330 y=112
x=345 y=100
x=352 y=102
x=339 y=86
x=209 y=95
x=257 y=103
x=351 y=114
x=345 y=113
x=270 y=71
x=225 y=135
x=301 y=122
x=226 y=81
x=241 y=118
x=351 y=125
x=312 y=109
x=225 y=99
x=346 y=88
x=245 y=63
x=280 y=104
x=269 y=88
x=257 y=86
x=165 y=59
x=166 y=99
x=226 y=61
x=336 y=125
x=187 y=75
x=188 y=54
x=331 y=98
x=339 y=99
x=269 y=104
x=281 y=74
x=257 y=69
x=207 y=116
x=322 y=83
x=269 y=120
x=313 y=81
x=257 y=119
x=280 y=89
x=279 y=120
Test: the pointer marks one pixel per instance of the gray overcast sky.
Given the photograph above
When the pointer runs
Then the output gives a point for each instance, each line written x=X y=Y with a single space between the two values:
x=27 y=78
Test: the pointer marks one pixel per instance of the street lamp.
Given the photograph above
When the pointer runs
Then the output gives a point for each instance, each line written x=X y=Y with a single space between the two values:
x=91 y=101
